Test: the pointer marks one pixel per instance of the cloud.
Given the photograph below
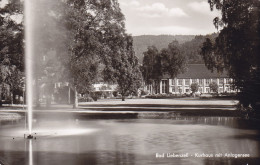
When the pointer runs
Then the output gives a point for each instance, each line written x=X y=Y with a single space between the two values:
x=177 y=12
x=133 y=3
x=160 y=10
x=202 y=7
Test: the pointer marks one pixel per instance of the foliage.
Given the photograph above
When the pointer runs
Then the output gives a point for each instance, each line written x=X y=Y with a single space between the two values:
x=97 y=36
x=73 y=38
x=143 y=93
x=191 y=49
x=124 y=67
x=194 y=87
x=169 y=61
x=151 y=66
x=97 y=39
x=165 y=96
x=115 y=93
x=11 y=46
x=236 y=49
x=189 y=44
x=213 y=87
x=86 y=99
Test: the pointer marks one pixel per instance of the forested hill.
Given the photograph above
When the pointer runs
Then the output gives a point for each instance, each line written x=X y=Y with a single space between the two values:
x=159 y=41
x=190 y=44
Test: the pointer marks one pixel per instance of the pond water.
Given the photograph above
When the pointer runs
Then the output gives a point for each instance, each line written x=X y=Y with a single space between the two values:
x=72 y=140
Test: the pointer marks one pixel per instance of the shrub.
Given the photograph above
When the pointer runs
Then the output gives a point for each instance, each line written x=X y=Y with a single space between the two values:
x=194 y=87
x=85 y=99
x=213 y=87
x=115 y=93
x=143 y=92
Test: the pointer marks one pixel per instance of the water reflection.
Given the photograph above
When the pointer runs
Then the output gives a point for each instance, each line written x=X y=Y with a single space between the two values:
x=234 y=122
x=30 y=152
x=133 y=141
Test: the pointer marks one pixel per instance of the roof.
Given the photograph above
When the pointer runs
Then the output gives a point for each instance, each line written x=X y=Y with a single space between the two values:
x=200 y=71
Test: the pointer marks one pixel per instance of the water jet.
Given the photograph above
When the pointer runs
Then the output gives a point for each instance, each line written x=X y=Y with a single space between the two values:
x=29 y=61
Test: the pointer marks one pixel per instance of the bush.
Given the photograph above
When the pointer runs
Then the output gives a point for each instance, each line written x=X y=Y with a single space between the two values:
x=115 y=93
x=164 y=96
x=194 y=87
x=144 y=93
x=96 y=95
x=85 y=99
x=213 y=87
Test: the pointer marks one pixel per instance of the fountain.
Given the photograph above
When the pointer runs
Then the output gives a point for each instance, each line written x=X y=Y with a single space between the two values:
x=29 y=64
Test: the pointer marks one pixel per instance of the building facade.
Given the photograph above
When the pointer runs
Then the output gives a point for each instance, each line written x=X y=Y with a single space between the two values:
x=195 y=73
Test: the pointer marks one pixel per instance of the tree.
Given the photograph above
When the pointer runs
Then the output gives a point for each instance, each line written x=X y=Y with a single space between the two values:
x=128 y=74
x=213 y=87
x=97 y=36
x=49 y=46
x=191 y=49
x=47 y=41
x=237 y=48
x=169 y=61
x=194 y=87
x=172 y=59
x=123 y=67
x=73 y=38
x=151 y=69
x=11 y=46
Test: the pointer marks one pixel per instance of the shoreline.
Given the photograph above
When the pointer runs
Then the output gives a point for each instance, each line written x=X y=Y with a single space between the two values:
x=131 y=107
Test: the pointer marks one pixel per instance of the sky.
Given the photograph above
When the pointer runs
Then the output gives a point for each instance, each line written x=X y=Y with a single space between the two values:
x=155 y=17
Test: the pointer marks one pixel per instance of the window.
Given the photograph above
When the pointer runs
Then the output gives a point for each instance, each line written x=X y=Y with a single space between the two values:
x=207 y=82
x=228 y=89
x=207 y=90
x=214 y=80
x=149 y=87
x=187 y=81
x=194 y=80
x=221 y=81
x=164 y=86
x=200 y=90
x=180 y=82
x=173 y=90
x=229 y=81
x=173 y=81
x=200 y=82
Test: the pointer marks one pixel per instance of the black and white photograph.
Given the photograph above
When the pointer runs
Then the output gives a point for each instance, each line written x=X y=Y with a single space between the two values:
x=129 y=82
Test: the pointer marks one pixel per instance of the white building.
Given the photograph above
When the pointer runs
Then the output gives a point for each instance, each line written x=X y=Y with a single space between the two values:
x=195 y=73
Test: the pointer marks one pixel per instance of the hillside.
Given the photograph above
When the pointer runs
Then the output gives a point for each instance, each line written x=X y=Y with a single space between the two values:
x=190 y=45
x=161 y=41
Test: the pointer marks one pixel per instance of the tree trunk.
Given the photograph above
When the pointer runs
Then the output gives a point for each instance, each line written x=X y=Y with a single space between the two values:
x=1 y=95
x=69 y=96
x=11 y=97
x=123 y=98
x=76 y=98
x=48 y=100
x=157 y=82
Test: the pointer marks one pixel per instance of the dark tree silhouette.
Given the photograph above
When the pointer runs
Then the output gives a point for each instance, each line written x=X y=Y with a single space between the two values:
x=169 y=61
x=237 y=48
